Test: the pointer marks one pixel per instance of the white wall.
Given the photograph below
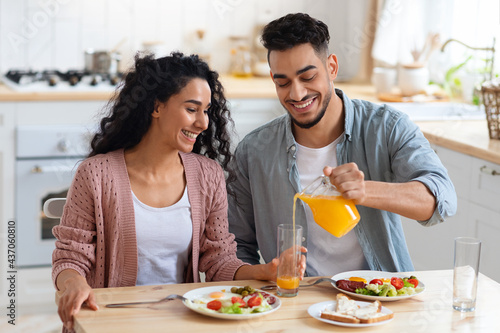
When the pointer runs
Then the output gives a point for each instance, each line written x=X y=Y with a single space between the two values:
x=43 y=34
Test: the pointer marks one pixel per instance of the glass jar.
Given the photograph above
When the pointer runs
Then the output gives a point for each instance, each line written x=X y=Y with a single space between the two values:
x=241 y=58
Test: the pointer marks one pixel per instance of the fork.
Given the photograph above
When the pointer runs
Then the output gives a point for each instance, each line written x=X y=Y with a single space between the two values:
x=273 y=286
x=168 y=298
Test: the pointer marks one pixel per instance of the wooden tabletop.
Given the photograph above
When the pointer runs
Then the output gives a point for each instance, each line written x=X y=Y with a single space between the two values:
x=429 y=312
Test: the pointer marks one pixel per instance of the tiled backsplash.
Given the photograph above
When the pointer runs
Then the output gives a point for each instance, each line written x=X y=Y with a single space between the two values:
x=42 y=34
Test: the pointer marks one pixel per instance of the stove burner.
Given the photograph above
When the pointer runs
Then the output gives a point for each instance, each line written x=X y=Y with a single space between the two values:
x=29 y=80
x=17 y=75
x=74 y=76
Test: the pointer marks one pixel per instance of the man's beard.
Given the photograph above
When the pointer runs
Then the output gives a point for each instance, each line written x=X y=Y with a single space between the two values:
x=318 y=117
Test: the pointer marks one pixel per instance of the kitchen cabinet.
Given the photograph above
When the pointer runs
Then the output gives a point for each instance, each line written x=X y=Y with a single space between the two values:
x=33 y=285
x=478 y=215
x=250 y=113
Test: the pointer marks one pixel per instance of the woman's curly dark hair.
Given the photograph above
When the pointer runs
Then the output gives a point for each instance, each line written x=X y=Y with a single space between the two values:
x=295 y=29
x=151 y=80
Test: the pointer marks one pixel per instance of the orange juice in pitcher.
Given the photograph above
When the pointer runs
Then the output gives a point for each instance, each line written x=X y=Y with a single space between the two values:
x=330 y=210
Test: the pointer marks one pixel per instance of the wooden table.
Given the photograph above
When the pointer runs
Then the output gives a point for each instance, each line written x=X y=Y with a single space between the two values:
x=429 y=312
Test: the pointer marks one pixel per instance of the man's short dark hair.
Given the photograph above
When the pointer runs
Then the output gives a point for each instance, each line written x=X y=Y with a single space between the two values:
x=295 y=29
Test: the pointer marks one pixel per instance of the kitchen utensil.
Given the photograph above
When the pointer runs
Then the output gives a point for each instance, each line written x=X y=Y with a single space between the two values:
x=273 y=286
x=434 y=41
x=168 y=298
x=101 y=62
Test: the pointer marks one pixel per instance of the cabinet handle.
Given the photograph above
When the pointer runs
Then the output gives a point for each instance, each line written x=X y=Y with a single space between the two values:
x=489 y=171
x=51 y=169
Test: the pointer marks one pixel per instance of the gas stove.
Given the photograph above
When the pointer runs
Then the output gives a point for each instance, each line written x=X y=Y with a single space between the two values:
x=58 y=81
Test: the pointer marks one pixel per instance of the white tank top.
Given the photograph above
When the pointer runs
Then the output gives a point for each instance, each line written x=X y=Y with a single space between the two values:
x=164 y=237
x=327 y=254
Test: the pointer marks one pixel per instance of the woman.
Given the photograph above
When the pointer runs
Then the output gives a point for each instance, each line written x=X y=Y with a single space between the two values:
x=147 y=207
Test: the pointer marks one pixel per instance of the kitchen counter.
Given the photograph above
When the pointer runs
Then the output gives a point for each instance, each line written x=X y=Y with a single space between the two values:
x=255 y=87
x=9 y=95
x=465 y=136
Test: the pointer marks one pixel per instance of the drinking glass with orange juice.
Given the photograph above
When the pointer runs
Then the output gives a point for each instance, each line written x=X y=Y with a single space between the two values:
x=330 y=210
x=289 y=244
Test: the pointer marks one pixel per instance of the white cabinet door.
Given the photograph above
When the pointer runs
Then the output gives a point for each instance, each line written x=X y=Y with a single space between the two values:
x=433 y=247
x=484 y=224
x=459 y=168
x=59 y=112
x=485 y=189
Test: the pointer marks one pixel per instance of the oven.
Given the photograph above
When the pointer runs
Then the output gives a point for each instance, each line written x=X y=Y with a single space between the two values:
x=46 y=160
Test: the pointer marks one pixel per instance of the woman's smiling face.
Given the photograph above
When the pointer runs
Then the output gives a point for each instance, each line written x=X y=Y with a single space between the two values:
x=183 y=116
x=303 y=83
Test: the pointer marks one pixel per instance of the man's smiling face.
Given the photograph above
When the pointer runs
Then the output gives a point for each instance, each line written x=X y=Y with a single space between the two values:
x=303 y=83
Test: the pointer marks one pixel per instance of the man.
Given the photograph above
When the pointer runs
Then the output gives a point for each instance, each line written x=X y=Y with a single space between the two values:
x=373 y=154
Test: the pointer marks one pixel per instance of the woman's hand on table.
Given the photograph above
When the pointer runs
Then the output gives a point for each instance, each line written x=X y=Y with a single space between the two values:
x=74 y=292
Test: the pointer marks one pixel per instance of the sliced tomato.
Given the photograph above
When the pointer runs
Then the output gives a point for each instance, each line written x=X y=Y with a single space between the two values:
x=254 y=301
x=236 y=299
x=214 y=305
x=397 y=283
x=376 y=281
x=414 y=282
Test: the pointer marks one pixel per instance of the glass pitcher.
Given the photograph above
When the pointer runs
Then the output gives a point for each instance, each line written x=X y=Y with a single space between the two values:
x=330 y=209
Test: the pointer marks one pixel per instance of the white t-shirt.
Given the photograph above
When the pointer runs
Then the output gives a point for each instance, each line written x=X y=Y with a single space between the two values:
x=327 y=254
x=164 y=237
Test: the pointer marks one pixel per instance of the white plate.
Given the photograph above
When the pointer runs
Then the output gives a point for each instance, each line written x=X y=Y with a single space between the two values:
x=370 y=275
x=316 y=309
x=201 y=292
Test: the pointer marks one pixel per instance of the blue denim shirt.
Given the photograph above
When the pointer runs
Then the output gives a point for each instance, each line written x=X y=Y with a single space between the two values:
x=385 y=144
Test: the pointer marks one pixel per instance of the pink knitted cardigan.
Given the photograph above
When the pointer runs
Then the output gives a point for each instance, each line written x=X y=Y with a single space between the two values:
x=97 y=236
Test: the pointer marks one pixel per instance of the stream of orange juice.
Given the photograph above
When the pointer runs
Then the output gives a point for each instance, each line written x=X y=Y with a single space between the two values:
x=333 y=213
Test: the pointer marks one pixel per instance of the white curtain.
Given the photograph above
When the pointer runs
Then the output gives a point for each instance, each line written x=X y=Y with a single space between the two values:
x=400 y=30
x=404 y=25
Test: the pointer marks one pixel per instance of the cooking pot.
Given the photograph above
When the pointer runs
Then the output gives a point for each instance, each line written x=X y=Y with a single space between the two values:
x=101 y=62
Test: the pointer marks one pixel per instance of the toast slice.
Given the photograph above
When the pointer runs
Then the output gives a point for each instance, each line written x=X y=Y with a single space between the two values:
x=376 y=318
x=335 y=316
x=348 y=311
x=345 y=305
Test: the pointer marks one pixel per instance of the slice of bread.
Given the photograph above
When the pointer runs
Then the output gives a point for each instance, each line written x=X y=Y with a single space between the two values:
x=335 y=316
x=348 y=311
x=368 y=311
x=345 y=305
x=376 y=318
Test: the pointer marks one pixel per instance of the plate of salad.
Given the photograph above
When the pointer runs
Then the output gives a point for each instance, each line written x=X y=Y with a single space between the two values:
x=376 y=285
x=231 y=302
